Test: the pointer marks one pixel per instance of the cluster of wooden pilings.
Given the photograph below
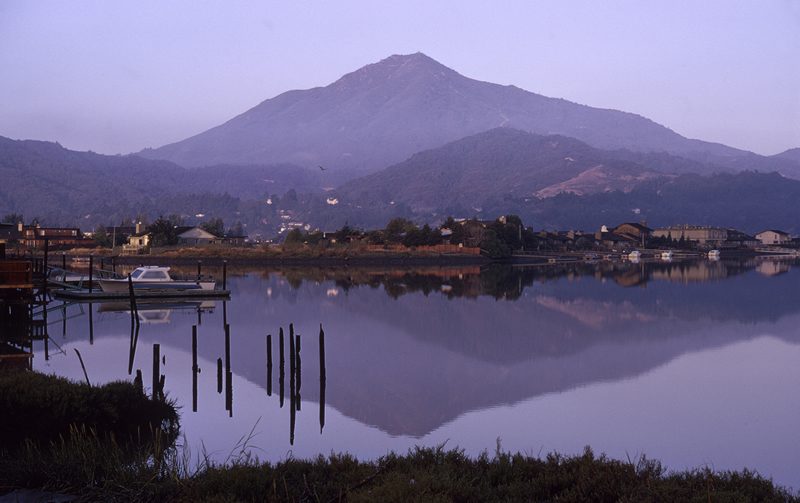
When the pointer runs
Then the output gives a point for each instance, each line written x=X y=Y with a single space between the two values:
x=224 y=372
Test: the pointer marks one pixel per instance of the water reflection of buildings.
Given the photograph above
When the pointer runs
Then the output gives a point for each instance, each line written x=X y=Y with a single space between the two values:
x=509 y=282
x=412 y=361
x=409 y=351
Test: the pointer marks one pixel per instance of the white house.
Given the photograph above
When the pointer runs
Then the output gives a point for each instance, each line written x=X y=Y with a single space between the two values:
x=773 y=237
x=197 y=236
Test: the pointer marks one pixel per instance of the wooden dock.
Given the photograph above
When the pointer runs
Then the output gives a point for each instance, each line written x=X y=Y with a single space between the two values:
x=86 y=296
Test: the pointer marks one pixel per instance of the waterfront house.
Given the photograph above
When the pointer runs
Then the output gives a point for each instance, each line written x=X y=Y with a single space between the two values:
x=196 y=236
x=636 y=233
x=702 y=235
x=34 y=236
x=739 y=239
x=138 y=241
x=772 y=237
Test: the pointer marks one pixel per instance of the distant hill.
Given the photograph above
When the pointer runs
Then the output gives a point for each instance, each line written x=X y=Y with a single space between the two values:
x=559 y=182
x=384 y=112
x=61 y=186
x=793 y=154
x=462 y=176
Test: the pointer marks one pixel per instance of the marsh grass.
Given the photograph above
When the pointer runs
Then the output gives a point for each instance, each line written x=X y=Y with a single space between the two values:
x=91 y=443
x=97 y=469
x=43 y=408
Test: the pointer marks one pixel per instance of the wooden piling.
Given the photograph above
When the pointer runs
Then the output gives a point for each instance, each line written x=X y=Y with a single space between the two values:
x=219 y=375
x=156 y=369
x=194 y=368
x=91 y=266
x=46 y=258
x=269 y=364
x=64 y=260
x=282 y=365
x=322 y=379
x=80 y=359
x=297 y=367
x=132 y=350
x=224 y=274
x=91 y=325
x=132 y=296
x=227 y=348
x=292 y=406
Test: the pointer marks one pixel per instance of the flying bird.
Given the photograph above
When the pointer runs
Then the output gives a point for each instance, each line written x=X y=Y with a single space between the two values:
x=321 y=168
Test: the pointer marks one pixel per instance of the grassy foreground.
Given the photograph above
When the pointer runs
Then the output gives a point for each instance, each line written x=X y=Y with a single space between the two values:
x=95 y=470
x=94 y=457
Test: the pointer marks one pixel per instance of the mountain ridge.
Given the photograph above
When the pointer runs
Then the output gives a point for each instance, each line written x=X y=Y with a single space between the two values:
x=384 y=112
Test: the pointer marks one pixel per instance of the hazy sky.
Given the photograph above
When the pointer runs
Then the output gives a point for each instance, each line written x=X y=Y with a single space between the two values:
x=119 y=76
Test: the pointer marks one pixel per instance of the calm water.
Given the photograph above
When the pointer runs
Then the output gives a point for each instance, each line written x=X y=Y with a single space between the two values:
x=695 y=364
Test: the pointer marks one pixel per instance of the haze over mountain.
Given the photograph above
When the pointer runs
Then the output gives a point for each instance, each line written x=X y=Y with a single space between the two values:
x=793 y=154
x=385 y=112
x=559 y=182
x=462 y=176
x=61 y=186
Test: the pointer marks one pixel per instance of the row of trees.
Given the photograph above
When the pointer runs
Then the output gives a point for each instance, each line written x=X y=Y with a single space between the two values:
x=164 y=231
x=498 y=239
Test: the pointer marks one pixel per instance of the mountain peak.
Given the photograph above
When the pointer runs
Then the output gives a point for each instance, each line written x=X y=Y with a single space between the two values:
x=397 y=67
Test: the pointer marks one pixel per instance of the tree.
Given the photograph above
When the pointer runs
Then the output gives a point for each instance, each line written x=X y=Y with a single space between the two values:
x=397 y=228
x=101 y=237
x=215 y=226
x=294 y=237
x=236 y=230
x=13 y=218
x=162 y=232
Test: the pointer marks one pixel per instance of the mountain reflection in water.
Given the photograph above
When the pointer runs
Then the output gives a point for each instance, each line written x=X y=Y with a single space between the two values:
x=415 y=352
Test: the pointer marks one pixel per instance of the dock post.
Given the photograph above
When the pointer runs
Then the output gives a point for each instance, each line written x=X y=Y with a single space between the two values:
x=219 y=375
x=228 y=372
x=224 y=274
x=64 y=260
x=91 y=266
x=156 y=369
x=91 y=325
x=46 y=254
x=292 y=406
x=282 y=365
x=134 y=309
x=298 y=379
x=322 y=379
x=194 y=368
x=269 y=364
x=198 y=270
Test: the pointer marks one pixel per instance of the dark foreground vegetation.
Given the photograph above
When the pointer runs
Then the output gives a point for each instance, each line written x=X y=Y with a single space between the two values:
x=90 y=462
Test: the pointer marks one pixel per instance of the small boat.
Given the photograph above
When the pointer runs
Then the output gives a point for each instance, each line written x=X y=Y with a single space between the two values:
x=153 y=278
x=635 y=255
x=667 y=255
x=713 y=255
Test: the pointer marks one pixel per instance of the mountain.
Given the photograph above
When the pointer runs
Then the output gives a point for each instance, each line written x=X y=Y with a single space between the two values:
x=502 y=163
x=61 y=186
x=793 y=154
x=385 y=112
x=558 y=182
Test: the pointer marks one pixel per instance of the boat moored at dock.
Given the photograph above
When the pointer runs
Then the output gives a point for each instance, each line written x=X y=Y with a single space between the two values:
x=155 y=279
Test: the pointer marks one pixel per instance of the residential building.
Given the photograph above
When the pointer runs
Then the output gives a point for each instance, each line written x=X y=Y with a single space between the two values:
x=703 y=235
x=637 y=233
x=772 y=237
x=34 y=236
x=196 y=236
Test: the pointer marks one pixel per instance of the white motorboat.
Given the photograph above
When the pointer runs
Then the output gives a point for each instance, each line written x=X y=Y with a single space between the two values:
x=155 y=279
x=635 y=255
x=667 y=255
x=713 y=255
